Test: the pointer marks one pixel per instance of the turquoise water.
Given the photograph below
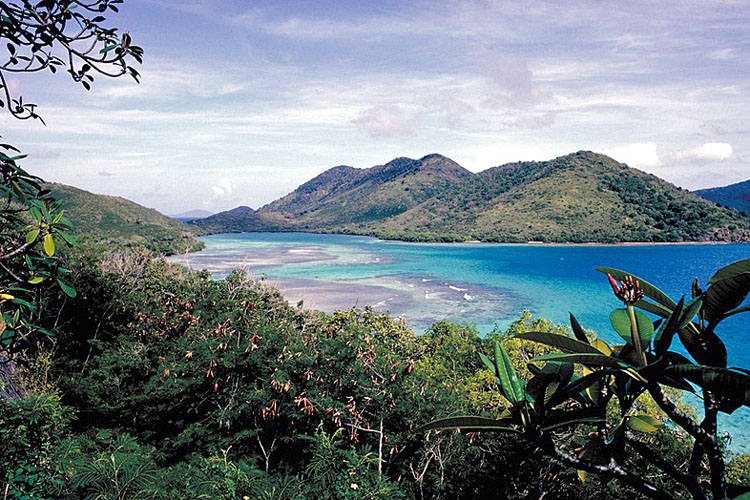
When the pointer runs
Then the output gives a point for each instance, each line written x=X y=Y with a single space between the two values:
x=480 y=284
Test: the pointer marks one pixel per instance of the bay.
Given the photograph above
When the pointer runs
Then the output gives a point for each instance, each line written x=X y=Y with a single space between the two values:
x=485 y=285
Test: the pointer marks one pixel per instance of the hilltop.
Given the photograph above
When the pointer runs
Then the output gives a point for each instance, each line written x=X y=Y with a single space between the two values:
x=191 y=215
x=580 y=197
x=735 y=196
x=110 y=219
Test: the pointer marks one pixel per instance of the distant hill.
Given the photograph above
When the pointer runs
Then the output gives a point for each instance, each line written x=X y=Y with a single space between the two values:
x=581 y=197
x=735 y=196
x=191 y=215
x=237 y=220
x=111 y=219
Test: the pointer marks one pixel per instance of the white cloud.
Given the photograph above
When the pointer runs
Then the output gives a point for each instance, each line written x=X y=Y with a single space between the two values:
x=638 y=155
x=722 y=54
x=163 y=79
x=512 y=77
x=535 y=121
x=454 y=112
x=222 y=189
x=710 y=151
x=386 y=120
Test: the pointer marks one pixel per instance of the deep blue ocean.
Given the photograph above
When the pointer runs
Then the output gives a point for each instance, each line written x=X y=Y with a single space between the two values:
x=480 y=284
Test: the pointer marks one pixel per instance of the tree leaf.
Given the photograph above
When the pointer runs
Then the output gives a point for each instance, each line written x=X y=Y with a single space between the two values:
x=705 y=347
x=562 y=342
x=663 y=338
x=562 y=371
x=602 y=347
x=31 y=236
x=469 y=422
x=696 y=289
x=566 y=417
x=577 y=329
x=69 y=239
x=584 y=359
x=724 y=295
x=593 y=391
x=736 y=311
x=550 y=391
x=67 y=288
x=643 y=423
x=488 y=363
x=500 y=376
x=620 y=320
x=731 y=271
x=506 y=367
x=49 y=245
x=721 y=381
x=653 y=308
x=576 y=387
x=690 y=310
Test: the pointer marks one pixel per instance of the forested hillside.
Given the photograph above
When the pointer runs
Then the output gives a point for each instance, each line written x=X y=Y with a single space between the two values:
x=163 y=383
x=582 y=197
x=111 y=219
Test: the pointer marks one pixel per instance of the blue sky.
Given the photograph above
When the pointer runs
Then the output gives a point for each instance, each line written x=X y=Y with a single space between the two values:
x=240 y=101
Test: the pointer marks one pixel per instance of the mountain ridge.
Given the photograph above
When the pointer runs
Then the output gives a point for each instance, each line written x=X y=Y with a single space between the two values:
x=580 y=197
x=735 y=195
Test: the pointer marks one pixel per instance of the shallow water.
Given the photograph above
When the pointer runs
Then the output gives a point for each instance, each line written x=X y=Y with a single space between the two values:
x=481 y=284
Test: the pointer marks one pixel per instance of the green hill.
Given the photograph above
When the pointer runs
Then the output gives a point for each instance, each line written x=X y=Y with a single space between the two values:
x=345 y=196
x=581 y=197
x=735 y=196
x=237 y=220
x=111 y=219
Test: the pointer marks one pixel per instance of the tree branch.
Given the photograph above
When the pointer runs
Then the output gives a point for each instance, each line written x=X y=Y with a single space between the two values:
x=688 y=480
x=678 y=416
x=612 y=469
x=713 y=452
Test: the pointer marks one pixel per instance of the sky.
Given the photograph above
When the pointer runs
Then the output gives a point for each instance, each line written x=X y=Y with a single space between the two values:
x=242 y=101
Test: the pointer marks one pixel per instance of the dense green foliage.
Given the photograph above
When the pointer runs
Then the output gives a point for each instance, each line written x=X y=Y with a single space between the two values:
x=51 y=35
x=735 y=196
x=163 y=383
x=607 y=401
x=581 y=197
x=113 y=220
x=33 y=227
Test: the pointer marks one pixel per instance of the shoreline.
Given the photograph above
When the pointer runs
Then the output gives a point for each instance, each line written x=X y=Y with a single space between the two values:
x=485 y=243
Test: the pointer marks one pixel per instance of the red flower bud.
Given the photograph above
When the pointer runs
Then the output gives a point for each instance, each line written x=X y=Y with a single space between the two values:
x=629 y=290
x=613 y=284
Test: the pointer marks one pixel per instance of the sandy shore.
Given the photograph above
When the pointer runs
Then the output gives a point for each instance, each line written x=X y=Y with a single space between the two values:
x=423 y=300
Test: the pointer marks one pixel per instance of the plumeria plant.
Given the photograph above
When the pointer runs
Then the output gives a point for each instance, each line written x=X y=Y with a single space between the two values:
x=593 y=390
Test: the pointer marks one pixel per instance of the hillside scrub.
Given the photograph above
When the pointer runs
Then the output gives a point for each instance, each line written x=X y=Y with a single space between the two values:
x=192 y=387
x=115 y=221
